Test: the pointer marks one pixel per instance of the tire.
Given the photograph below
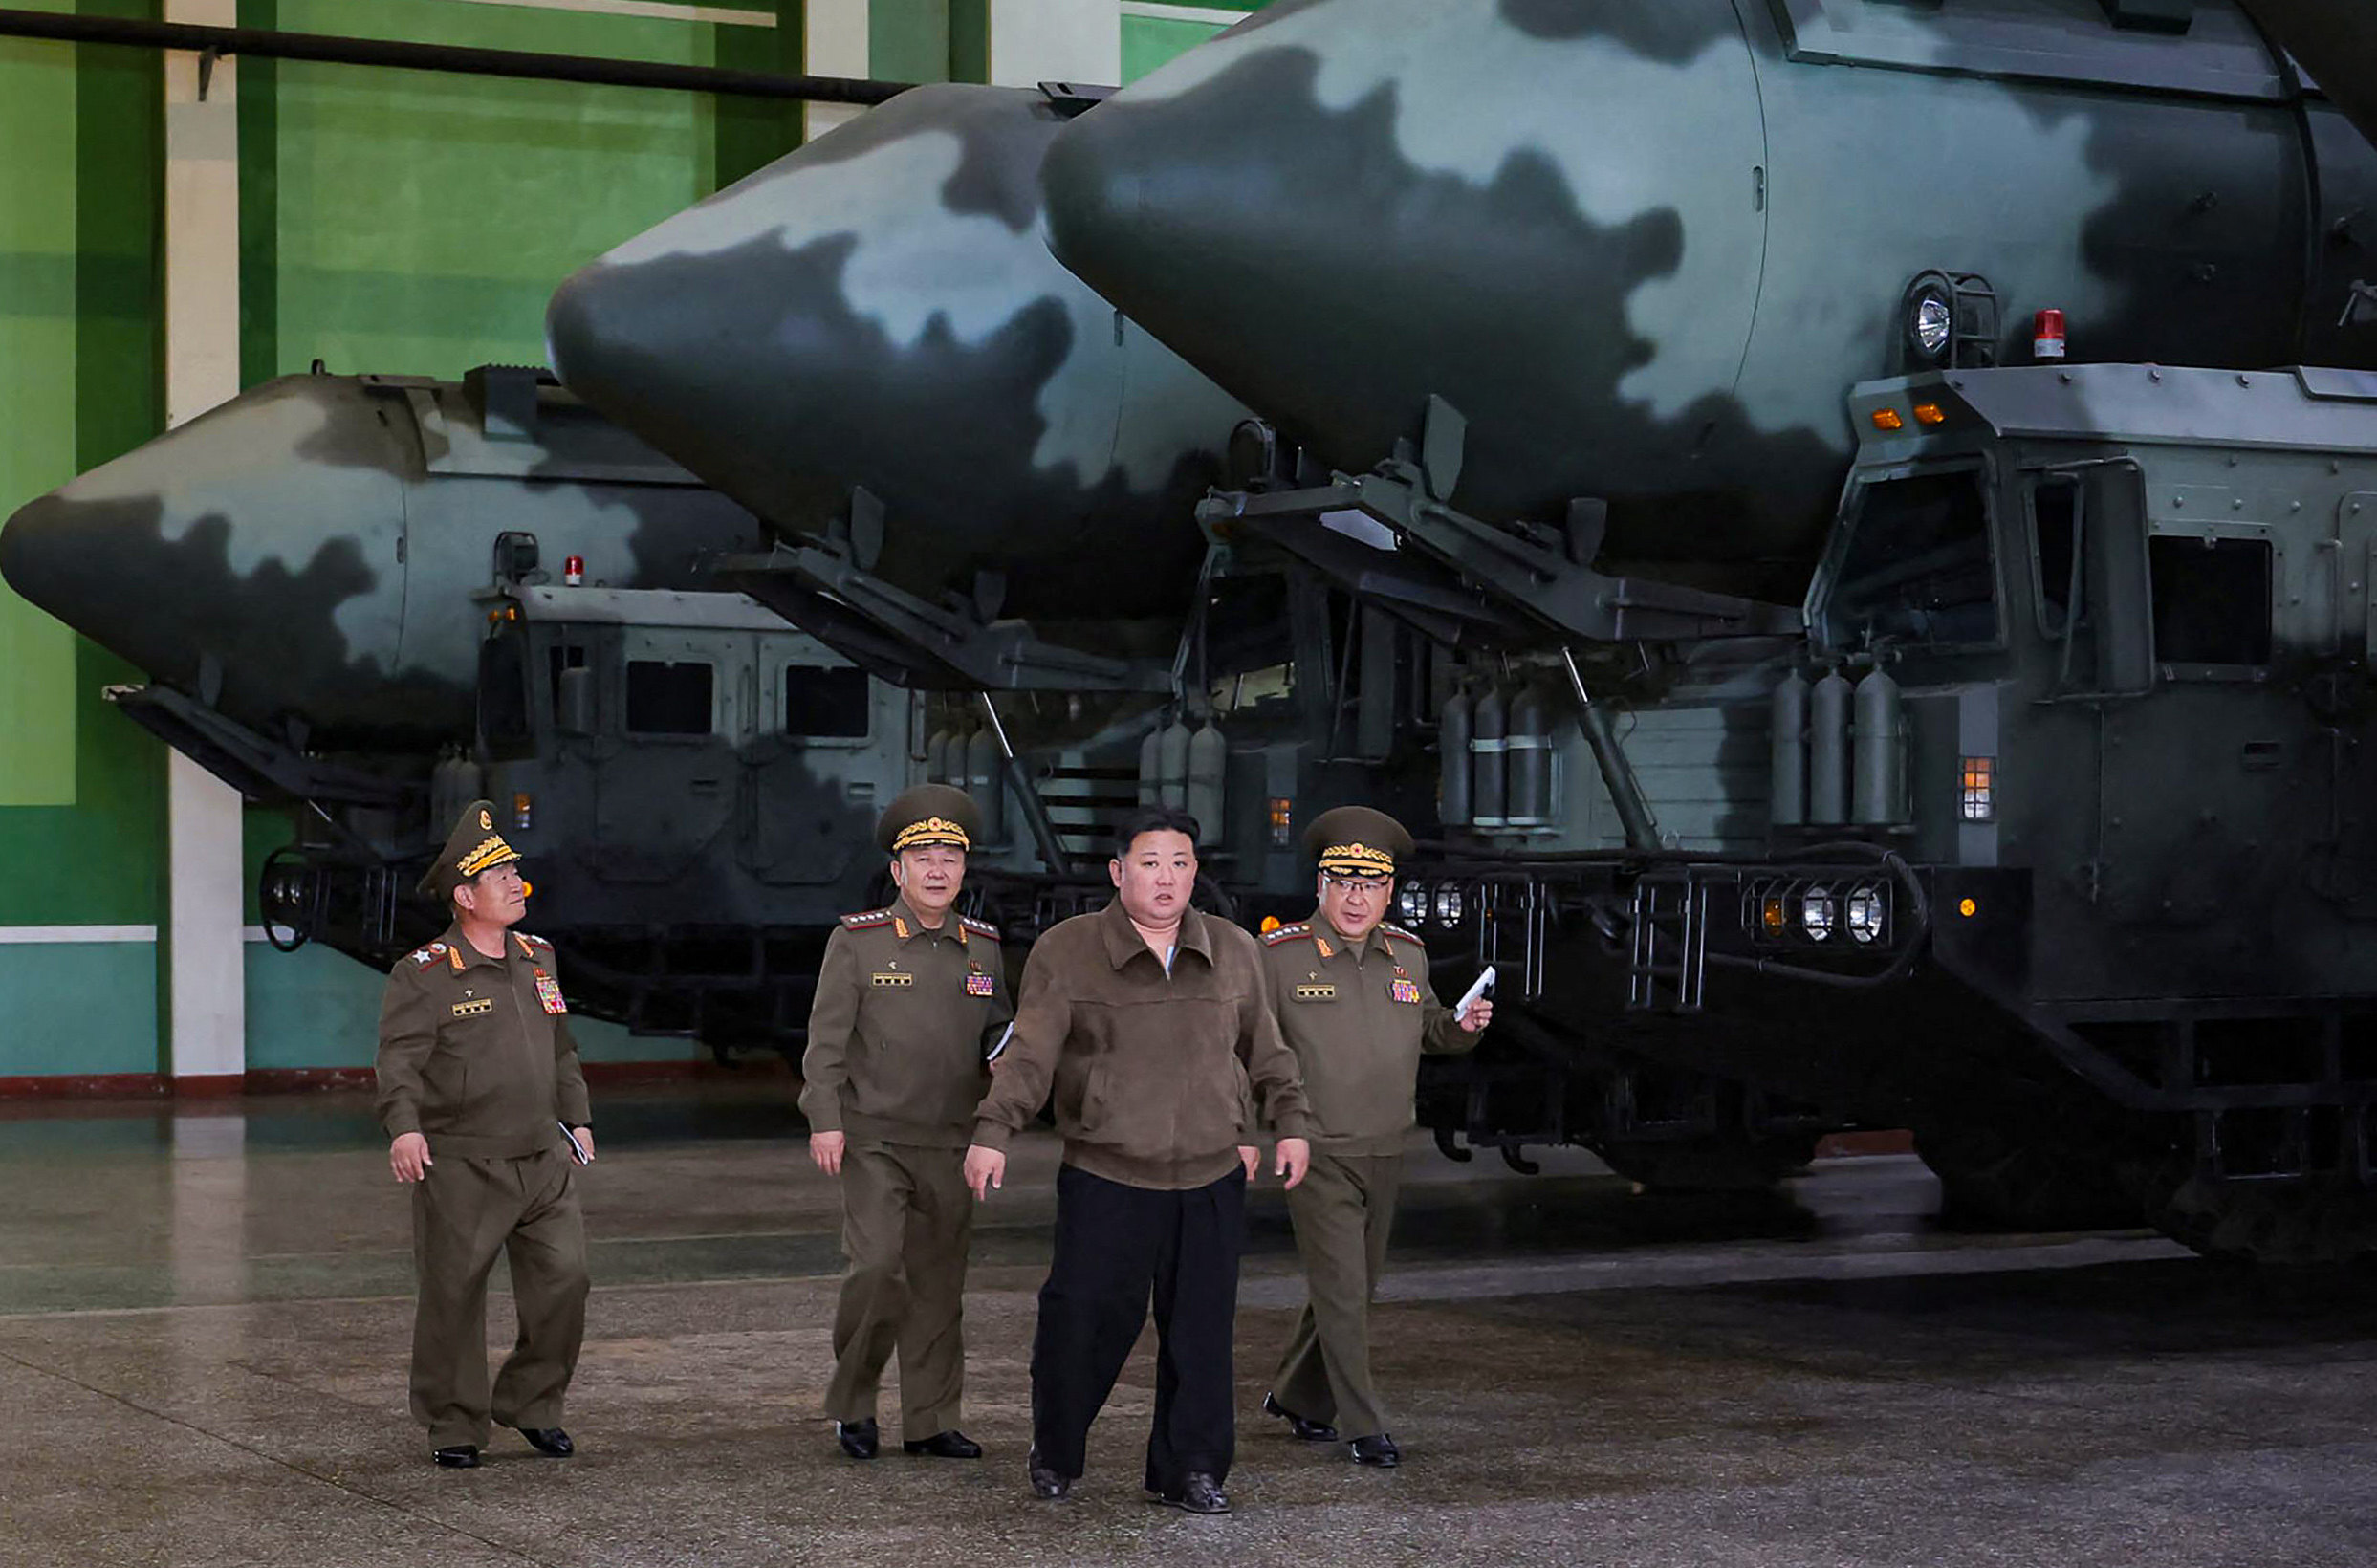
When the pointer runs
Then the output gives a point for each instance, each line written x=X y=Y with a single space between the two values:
x=1992 y=1178
x=1713 y=1164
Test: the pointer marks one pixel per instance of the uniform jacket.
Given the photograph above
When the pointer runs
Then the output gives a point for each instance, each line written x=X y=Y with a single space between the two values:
x=1357 y=1017
x=1150 y=1070
x=475 y=1052
x=896 y=1032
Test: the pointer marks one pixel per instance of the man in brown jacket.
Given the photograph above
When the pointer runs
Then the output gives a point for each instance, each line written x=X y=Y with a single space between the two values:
x=907 y=999
x=1356 y=1006
x=1149 y=1019
x=481 y=1094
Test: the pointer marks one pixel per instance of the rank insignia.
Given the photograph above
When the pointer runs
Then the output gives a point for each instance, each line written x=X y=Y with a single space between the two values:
x=1403 y=991
x=892 y=977
x=550 y=993
x=1321 y=993
x=471 y=1009
x=979 y=984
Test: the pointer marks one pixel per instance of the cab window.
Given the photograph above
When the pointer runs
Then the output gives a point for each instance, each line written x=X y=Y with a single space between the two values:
x=2211 y=600
x=1917 y=567
x=669 y=698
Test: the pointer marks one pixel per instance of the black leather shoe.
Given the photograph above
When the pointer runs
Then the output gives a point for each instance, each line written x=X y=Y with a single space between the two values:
x=1310 y=1431
x=1046 y=1483
x=461 y=1456
x=1379 y=1450
x=950 y=1445
x=550 y=1440
x=1197 y=1494
x=859 y=1438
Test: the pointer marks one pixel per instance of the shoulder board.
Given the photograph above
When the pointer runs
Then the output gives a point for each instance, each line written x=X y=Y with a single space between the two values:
x=979 y=927
x=536 y=941
x=1401 y=935
x=1286 y=933
x=867 y=919
x=424 y=957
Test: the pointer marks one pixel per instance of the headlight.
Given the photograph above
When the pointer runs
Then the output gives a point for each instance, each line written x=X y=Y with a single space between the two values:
x=1816 y=913
x=1868 y=917
x=1451 y=905
x=1931 y=324
x=1411 y=902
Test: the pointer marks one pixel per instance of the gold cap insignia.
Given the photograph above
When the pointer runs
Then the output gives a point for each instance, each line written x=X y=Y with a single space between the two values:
x=1357 y=860
x=931 y=830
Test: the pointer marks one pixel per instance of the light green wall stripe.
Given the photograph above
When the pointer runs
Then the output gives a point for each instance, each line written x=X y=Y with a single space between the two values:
x=423 y=220
x=36 y=424
x=79 y=1008
x=907 y=40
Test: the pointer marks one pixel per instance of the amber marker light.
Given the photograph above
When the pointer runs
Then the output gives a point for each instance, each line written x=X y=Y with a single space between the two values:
x=1771 y=914
x=1888 y=419
x=1271 y=924
x=1968 y=907
x=1930 y=413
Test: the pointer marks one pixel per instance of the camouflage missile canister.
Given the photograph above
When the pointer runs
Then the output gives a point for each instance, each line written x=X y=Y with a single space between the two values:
x=308 y=550
x=1641 y=245
x=879 y=310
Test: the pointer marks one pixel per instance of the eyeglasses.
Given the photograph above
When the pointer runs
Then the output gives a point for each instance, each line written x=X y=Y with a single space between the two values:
x=1358 y=884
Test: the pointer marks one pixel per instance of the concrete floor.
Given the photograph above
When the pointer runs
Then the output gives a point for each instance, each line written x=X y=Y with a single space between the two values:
x=204 y=1318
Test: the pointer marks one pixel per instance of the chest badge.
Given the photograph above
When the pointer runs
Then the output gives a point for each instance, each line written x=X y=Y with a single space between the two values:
x=887 y=979
x=471 y=1009
x=1402 y=990
x=1322 y=990
x=550 y=995
x=978 y=983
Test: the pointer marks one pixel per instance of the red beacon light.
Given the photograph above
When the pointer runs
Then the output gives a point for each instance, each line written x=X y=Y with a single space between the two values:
x=2047 y=336
x=574 y=572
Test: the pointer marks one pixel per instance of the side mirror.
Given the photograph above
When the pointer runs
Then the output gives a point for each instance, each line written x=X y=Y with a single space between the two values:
x=574 y=701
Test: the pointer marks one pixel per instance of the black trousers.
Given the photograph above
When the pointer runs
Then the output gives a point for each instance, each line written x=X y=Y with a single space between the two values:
x=1117 y=1247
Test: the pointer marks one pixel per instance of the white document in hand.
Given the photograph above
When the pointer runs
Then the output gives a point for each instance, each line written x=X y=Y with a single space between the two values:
x=1476 y=987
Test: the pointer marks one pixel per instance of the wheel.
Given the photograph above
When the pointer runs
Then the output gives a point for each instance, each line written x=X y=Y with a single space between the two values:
x=2297 y=1224
x=1717 y=1163
x=1993 y=1178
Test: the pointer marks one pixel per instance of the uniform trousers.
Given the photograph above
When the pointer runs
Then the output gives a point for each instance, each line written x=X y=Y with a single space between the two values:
x=1343 y=1210
x=907 y=1218
x=1118 y=1247
x=465 y=1212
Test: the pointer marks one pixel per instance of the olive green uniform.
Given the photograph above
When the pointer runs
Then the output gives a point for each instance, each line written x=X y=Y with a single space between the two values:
x=1357 y=1017
x=475 y=1054
x=895 y=1063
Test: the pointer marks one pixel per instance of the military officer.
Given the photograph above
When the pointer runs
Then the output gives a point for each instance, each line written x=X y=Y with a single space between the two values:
x=908 y=999
x=1355 y=1005
x=480 y=1092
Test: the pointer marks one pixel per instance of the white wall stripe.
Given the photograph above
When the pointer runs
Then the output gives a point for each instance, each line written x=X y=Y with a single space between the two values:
x=670 y=10
x=1158 y=11
x=29 y=935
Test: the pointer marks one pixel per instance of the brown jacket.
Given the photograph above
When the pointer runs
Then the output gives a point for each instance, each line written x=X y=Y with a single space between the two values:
x=896 y=1032
x=1150 y=1070
x=1358 y=1019
x=475 y=1052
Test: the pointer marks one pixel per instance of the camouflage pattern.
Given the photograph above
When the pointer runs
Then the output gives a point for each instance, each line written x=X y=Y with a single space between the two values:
x=309 y=550
x=879 y=309
x=1643 y=248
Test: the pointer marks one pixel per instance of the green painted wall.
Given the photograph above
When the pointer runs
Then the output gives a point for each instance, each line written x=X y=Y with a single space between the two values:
x=79 y=1008
x=1150 y=42
x=82 y=817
